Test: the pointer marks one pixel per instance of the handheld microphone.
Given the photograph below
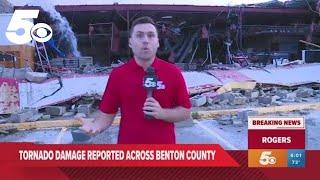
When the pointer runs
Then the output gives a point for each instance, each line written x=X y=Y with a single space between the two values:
x=150 y=83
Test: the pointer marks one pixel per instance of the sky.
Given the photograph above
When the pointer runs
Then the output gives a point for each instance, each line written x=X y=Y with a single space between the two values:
x=178 y=2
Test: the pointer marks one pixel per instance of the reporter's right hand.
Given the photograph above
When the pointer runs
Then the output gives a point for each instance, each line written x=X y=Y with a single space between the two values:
x=92 y=126
x=101 y=122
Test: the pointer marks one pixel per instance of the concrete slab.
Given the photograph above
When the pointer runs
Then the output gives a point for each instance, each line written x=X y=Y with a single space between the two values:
x=36 y=77
x=55 y=110
x=288 y=76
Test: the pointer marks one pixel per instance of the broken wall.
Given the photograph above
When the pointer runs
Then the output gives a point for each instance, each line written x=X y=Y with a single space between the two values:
x=9 y=96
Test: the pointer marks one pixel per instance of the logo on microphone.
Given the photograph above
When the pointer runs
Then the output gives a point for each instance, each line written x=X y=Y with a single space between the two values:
x=21 y=21
x=150 y=82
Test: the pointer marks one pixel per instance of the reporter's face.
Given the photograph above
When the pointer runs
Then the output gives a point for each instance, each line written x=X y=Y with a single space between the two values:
x=144 y=41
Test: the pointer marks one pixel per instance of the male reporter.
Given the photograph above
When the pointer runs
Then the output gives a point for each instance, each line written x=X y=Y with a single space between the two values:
x=125 y=89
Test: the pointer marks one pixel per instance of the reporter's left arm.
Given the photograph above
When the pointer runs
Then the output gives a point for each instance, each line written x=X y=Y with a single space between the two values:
x=176 y=114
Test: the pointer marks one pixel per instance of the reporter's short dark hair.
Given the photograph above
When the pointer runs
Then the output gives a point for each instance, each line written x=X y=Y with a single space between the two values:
x=142 y=20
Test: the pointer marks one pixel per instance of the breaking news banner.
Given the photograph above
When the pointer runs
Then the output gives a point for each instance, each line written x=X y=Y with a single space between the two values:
x=276 y=142
x=31 y=155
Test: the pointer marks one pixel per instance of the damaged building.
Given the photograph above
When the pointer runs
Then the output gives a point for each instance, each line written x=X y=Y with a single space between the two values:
x=196 y=34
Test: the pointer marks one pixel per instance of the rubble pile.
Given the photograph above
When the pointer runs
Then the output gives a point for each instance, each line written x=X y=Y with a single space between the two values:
x=245 y=100
x=251 y=98
x=79 y=107
x=236 y=99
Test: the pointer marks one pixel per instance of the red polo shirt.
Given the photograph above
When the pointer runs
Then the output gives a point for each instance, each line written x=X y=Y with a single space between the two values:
x=125 y=90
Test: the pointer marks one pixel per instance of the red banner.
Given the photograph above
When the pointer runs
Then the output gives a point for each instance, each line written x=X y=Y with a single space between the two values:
x=276 y=139
x=35 y=155
x=311 y=171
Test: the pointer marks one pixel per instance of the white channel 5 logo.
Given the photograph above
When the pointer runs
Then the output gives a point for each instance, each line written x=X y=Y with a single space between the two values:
x=40 y=32
x=266 y=158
